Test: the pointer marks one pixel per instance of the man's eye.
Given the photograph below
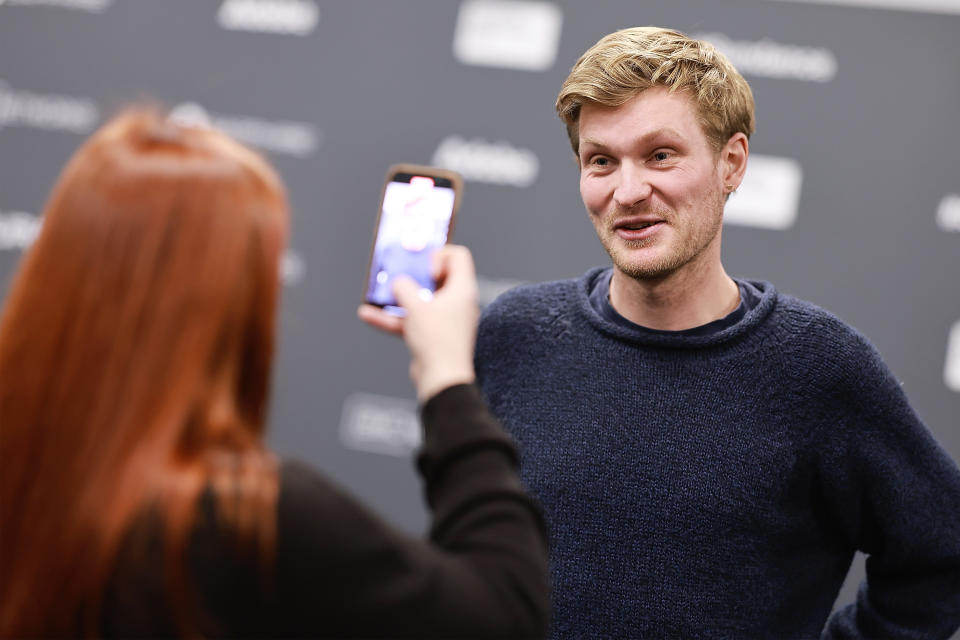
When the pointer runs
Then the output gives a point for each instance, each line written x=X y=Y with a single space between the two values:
x=661 y=156
x=600 y=161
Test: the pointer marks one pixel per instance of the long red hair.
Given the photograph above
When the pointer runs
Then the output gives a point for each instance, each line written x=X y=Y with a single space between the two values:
x=135 y=352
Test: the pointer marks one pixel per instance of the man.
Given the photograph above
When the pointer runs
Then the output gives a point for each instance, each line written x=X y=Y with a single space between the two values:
x=709 y=453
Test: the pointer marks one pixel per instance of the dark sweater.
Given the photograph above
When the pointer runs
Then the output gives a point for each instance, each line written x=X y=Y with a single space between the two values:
x=342 y=572
x=717 y=485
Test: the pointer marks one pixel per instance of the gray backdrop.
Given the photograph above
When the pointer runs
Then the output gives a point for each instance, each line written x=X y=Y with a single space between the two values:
x=851 y=199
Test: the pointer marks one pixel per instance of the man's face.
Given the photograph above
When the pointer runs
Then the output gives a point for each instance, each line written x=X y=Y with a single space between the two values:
x=651 y=183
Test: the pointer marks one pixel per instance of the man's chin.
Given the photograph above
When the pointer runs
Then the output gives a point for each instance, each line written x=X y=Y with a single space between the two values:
x=647 y=275
x=646 y=269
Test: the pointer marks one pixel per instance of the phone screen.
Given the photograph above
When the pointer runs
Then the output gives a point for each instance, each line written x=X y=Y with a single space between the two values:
x=415 y=221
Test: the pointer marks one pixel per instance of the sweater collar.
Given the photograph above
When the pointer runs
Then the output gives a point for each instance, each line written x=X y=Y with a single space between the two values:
x=733 y=326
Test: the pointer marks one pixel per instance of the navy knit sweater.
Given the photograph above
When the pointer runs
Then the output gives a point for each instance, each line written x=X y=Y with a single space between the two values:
x=718 y=485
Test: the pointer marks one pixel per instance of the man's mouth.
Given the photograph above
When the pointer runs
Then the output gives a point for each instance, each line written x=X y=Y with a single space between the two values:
x=637 y=230
x=637 y=226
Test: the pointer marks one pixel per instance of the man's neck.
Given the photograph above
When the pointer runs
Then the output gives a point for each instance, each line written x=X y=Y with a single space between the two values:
x=683 y=300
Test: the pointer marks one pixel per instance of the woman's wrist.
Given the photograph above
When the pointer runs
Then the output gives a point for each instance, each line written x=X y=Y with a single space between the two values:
x=433 y=382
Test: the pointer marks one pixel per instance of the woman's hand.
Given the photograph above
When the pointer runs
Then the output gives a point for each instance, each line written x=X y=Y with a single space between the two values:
x=440 y=332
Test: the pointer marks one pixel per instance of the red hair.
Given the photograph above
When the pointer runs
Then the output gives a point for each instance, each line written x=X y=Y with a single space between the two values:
x=135 y=353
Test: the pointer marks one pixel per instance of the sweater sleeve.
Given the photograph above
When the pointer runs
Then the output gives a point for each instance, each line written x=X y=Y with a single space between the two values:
x=894 y=494
x=343 y=572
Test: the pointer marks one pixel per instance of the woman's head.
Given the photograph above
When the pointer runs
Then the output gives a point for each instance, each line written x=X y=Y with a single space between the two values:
x=136 y=340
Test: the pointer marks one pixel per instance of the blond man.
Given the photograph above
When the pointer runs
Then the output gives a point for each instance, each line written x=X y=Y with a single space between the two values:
x=710 y=453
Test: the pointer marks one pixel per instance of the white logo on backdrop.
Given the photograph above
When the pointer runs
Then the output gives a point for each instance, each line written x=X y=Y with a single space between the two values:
x=18 y=229
x=482 y=161
x=292 y=268
x=948 y=213
x=513 y=34
x=287 y=17
x=951 y=370
x=380 y=424
x=489 y=288
x=93 y=6
x=933 y=6
x=769 y=195
x=46 y=111
x=293 y=138
x=769 y=59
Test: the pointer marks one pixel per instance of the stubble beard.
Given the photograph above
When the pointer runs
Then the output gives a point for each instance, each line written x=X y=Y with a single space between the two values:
x=686 y=250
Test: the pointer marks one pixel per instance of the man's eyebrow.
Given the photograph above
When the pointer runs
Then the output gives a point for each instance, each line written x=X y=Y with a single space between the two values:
x=662 y=132
x=592 y=142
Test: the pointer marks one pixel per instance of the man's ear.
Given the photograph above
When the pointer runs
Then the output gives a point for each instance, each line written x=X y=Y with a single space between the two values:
x=733 y=160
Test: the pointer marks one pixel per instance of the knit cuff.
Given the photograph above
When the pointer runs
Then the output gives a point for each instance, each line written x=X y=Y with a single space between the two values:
x=456 y=422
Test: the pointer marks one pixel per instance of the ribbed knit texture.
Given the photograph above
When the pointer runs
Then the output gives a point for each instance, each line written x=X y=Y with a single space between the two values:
x=717 y=486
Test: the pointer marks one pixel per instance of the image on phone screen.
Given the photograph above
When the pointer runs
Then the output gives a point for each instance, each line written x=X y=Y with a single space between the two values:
x=414 y=222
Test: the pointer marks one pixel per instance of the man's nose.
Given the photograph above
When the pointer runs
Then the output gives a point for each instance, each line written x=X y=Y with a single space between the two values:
x=633 y=186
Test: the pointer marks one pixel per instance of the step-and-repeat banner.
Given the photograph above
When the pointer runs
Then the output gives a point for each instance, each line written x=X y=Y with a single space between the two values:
x=852 y=196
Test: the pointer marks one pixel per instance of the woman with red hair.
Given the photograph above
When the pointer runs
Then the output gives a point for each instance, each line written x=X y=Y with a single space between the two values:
x=137 y=496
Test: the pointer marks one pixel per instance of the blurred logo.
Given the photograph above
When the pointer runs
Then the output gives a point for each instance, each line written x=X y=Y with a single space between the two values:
x=292 y=268
x=951 y=370
x=380 y=424
x=948 y=213
x=286 y=17
x=933 y=6
x=46 y=111
x=292 y=138
x=482 y=161
x=488 y=289
x=93 y=6
x=512 y=34
x=18 y=229
x=769 y=195
x=768 y=59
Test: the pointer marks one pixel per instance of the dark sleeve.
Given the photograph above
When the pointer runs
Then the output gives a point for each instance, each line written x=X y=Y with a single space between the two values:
x=343 y=572
x=895 y=495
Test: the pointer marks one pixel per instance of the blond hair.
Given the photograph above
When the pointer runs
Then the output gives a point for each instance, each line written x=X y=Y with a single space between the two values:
x=626 y=62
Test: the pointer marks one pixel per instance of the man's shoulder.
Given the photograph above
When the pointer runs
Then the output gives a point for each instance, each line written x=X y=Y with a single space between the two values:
x=531 y=320
x=535 y=293
x=531 y=303
x=826 y=348
x=815 y=323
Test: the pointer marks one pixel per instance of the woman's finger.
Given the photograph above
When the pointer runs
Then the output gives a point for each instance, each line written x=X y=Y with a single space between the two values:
x=380 y=319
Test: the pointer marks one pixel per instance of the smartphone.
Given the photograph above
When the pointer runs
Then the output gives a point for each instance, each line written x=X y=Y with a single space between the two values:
x=418 y=205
